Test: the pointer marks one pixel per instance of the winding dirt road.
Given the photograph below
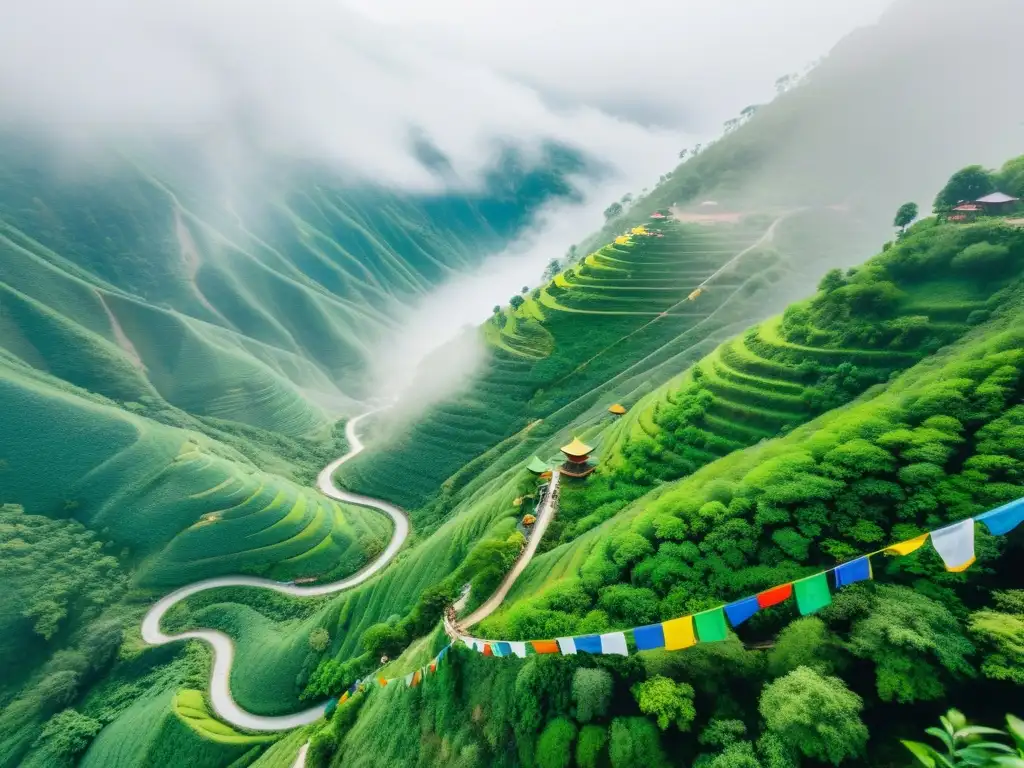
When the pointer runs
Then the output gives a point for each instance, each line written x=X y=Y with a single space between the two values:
x=223 y=647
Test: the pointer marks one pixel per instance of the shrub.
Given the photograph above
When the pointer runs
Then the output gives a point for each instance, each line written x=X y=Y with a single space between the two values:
x=554 y=748
x=592 y=747
x=670 y=702
x=635 y=741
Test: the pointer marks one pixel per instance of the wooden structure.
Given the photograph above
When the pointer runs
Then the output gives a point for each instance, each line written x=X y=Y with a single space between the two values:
x=997 y=204
x=577 y=459
x=618 y=409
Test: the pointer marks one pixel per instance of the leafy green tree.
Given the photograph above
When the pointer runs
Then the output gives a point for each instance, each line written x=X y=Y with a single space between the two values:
x=592 y=692
x=670 y=702
x=832 y=280
x=721 y=733
x=383 y=640
x=806 y=642
x=905 y=215
x=516 y=302
x=592 y=747
x=524 y=290
x=1001 y=634
x=634 y=741
x=629 y=547
x=553 y=268
x=968 y=183
x=68 y=733
x=817 y=715
x=914 y=642
x=554 y=748
x=613 y=211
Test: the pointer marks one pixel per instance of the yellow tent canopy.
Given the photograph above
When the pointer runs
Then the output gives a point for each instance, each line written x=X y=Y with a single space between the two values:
x=618 y=409
x=576 y=448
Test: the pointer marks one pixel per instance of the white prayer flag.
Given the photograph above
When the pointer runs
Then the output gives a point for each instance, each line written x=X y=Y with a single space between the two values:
x=614 y=642
x=519 y=649
x=955 y=545
x=567 y=646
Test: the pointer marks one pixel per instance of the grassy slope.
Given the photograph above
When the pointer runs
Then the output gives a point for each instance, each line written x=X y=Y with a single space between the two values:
x=183 y=506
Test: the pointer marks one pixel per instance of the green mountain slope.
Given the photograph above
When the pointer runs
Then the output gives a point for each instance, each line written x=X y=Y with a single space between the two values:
x=936 y=442
x=134 y=281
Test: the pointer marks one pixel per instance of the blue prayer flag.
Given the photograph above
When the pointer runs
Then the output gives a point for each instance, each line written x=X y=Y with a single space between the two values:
x=742 y=610
x=650 y=637
x=854 y=571
x=1004 y=519
x=588 y=643
x=503 y=649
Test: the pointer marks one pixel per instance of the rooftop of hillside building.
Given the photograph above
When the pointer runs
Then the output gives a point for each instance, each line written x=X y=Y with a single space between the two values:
x=577 y=448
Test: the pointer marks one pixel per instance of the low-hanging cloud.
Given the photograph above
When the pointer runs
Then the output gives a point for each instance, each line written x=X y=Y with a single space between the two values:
x=351 y=84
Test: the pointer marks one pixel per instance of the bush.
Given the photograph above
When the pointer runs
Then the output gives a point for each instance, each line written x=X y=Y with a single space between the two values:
x=592 y=747
x=983 y=257
x=554 y=748
x=669 y=701
x=634 y=742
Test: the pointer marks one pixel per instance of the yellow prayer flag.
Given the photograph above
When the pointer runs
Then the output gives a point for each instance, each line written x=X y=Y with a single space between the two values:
x=962 y=567
x=908 y=546
x=679 y=633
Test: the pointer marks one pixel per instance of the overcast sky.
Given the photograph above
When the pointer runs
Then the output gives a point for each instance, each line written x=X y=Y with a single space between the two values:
x=347 y=81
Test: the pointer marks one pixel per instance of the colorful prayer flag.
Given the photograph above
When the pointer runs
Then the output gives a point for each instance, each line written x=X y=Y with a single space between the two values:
x=519 y=649
x=854 y=571
x=711 y=626
x=678 y=633
x=588 y=643
x=383 y=681
x=408 y=679
x=1004 y=519
x=344 y=698
x=908 y=546
x=433 y=666
x=488 y=651
x=502 y=649
x=648 y=638
x=955 y=545
x=614 y=643
x=567 y=646
x=742 y=610
x=416 y=677
x=774 y=596
x=812 y=593
x=545 y=646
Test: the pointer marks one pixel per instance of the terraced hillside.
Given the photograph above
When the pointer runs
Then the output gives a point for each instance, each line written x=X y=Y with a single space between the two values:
x=622 y=314
x=131 y=280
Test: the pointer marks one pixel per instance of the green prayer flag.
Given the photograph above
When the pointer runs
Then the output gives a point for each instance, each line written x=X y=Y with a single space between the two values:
x=711 y=626
x=812 y=594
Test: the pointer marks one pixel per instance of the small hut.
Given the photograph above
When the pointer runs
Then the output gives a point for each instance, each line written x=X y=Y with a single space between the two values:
x=997 y=204
x=618 y=409
x=537 y=466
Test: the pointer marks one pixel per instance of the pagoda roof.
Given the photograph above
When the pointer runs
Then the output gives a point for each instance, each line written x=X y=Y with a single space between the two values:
x=576 y=448
x=537 y=466
x=997 y=197
x=618 y=408
x=968 y=207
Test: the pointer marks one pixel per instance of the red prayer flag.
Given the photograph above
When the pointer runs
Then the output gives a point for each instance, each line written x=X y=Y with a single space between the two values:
x=382 y=681
x=433 y=666
x=416 y=678
x=775 y=595
x=545 y=646
x=487 y=650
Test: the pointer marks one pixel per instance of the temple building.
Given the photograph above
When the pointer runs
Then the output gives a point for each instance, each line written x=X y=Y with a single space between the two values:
x=997 y=203
x=577 y=459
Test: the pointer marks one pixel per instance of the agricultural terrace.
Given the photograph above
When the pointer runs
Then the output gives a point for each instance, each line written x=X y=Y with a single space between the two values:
x=881 y=319
x=623 y=311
